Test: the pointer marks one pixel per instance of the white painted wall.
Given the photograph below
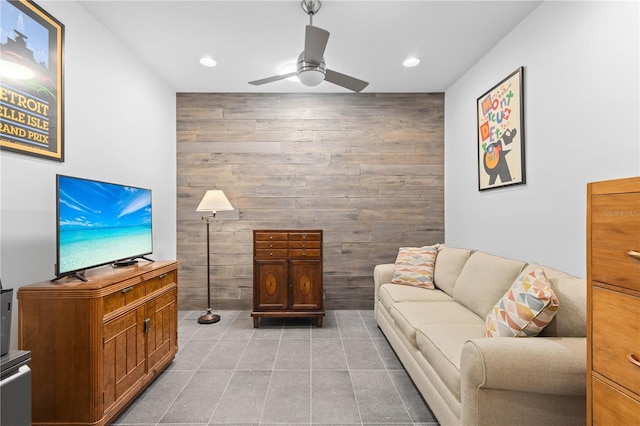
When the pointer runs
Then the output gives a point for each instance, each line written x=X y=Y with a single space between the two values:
x=581 y=94
x=120 y=126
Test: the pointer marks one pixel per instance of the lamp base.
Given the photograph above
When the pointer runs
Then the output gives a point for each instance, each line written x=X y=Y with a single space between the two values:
x=208 y=318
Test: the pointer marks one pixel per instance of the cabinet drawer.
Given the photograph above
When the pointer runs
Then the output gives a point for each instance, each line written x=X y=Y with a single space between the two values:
x=271 y=244
x=616 y=336
x=615 y=231
x=304 y=253
x=123 y=297
x=304 y=244
x=612 y=407
x=304 y=236
x=156 y=283
x=268 y=253
x=271 y=236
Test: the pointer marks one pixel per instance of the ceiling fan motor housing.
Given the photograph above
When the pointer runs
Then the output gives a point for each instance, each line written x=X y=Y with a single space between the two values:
x=310 y=73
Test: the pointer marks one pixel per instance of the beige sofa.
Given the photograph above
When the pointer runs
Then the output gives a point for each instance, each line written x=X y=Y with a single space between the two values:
x=469 y=379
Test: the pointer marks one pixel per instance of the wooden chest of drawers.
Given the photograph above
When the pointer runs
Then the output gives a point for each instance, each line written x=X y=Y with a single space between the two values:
x=287 y=274
x=96 y=345
x=613 y=298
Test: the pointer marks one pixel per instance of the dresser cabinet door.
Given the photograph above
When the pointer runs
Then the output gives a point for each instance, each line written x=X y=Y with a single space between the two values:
x=270 y=287
x=123 y=354
x=161 y=332
x=306 y=284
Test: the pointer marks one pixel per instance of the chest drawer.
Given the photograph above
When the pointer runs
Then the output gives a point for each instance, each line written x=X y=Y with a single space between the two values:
x=268 y=245
x=611 y=407
x=269 y=253
x=304 y=236
x=616 y=336
x=615 y=235
x=270 y=236
x=304 y=244
x=127 y=295
x=304 y=252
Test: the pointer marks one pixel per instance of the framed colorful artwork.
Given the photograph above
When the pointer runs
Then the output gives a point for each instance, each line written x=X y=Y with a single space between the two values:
x=500 y=113
x=31 y=83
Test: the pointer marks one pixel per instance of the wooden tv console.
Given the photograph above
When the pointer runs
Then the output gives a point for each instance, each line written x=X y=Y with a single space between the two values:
x=96 y=345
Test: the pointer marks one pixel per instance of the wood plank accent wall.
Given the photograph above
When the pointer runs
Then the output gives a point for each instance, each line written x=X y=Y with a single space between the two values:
x=368 y=169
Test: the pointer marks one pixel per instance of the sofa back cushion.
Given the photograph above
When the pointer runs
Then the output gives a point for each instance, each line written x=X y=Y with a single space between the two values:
x=449 y=263
x=571 y=317
x=483 y=281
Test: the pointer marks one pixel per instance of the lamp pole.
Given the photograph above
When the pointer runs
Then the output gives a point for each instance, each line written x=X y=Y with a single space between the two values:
x=209 y=317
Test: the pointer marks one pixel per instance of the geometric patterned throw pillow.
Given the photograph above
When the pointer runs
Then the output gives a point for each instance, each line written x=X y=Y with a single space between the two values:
x=525 y=309
x=414 y=266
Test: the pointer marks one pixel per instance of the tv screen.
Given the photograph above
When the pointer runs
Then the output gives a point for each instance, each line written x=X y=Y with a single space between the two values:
x=100 y=223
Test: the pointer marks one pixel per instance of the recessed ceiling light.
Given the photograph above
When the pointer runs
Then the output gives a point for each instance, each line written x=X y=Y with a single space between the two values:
x=411 y=62
x=208 y=61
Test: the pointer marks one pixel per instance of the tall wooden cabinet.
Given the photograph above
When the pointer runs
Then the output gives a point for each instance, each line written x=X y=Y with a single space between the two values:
x=613 y=298
x=96 y=345
x=287 y=274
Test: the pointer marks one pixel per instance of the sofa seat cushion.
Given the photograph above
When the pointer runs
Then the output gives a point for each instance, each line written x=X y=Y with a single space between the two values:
x=409 y=316
x=442 y=344
x=484 y=280
x=393 y=293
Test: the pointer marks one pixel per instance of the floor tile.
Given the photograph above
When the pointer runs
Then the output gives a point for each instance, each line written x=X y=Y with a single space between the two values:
x=260 y=354
x=289 y=398
x=362 y=355
x=328 y=354
x=417 y=408
x=198 y=399
x=332 y=398
x=352 y=328
x=294 y=354
x=243 y=400
x=225 y=354
x=368 y=387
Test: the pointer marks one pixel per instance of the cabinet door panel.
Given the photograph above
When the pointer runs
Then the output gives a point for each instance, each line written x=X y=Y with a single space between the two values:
x=124 y=354
x=161 y=339
x=306 y=284
x=271 y=289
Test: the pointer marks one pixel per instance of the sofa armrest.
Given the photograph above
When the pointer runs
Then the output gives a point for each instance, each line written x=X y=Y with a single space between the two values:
x=382 y=274
x=491 y=368
x=552 y=365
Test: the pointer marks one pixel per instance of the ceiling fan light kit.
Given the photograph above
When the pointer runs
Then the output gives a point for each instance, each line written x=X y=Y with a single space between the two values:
x=311 y=67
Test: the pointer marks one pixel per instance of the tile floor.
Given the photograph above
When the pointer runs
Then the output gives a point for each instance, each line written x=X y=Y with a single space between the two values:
x=286 y=372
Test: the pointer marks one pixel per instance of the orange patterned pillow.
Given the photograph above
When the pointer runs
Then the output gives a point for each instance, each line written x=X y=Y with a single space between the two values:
x=414 y=266
x=525 y=309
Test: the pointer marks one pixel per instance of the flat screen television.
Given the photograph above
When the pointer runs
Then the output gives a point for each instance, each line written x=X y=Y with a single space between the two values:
x=100 y=223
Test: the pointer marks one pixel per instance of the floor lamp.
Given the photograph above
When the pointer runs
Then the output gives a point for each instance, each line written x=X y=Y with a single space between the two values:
x=213 y=201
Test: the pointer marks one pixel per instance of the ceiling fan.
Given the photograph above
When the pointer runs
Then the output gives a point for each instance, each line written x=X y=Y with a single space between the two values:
x=311 y=68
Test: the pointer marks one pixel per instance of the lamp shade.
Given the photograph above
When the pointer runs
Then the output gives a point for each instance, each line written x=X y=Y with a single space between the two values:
x=214 y=201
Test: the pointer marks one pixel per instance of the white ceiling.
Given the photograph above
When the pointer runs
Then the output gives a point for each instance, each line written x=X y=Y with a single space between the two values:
x=251 y=40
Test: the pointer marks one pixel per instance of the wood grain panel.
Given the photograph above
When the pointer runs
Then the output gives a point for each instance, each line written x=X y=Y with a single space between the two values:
x=368 y=169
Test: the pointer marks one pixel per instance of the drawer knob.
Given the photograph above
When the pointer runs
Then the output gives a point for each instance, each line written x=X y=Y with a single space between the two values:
x=633 y=359
x=161 y=276
x=634 y=254
x=126 y=290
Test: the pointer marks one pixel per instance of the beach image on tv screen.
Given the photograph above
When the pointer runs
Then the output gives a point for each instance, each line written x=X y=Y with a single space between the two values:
x=101 y=222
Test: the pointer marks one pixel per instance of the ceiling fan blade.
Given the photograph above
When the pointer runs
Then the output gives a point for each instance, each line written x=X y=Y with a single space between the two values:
x=272 y=79
x=345 y=81
x=315 y=41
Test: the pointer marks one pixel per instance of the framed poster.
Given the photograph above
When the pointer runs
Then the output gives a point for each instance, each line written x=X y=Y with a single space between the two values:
x=31 y=80
x=500 y=113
